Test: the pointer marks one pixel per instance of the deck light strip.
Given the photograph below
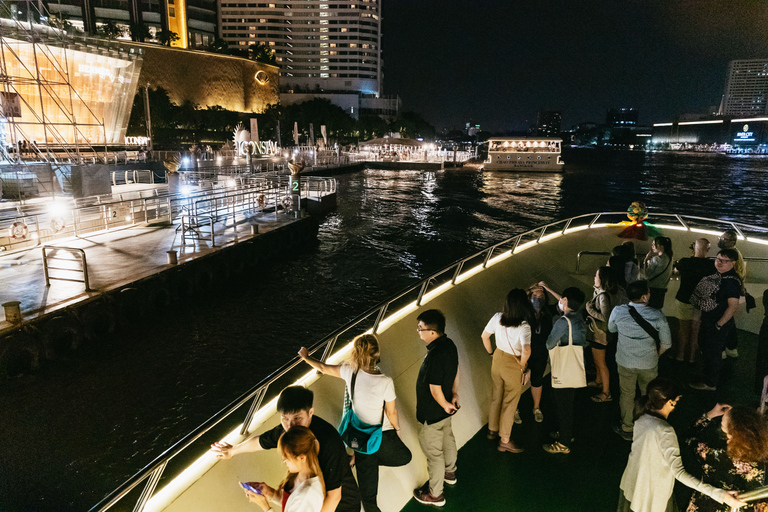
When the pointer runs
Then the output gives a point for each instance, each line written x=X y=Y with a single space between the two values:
x=669 y=226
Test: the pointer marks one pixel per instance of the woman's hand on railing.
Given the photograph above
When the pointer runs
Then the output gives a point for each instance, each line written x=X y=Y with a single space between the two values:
x=222 y=450
x=304 y=353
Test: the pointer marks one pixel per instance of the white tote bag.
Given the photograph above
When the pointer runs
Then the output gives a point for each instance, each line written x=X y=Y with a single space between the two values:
x=568 y=363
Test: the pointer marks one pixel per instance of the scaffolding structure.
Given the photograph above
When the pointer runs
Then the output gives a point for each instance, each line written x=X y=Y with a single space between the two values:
x=64 y=97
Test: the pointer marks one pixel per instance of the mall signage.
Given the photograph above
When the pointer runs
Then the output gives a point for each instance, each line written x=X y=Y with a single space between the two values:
x=136 y=141
x=745 y=135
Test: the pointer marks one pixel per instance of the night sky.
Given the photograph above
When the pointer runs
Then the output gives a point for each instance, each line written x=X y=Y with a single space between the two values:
x=497 y=63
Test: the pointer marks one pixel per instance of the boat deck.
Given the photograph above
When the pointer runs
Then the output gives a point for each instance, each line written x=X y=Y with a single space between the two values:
x=588 y=478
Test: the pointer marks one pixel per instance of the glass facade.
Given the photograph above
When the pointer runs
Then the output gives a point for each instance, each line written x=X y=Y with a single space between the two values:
x=78 y=94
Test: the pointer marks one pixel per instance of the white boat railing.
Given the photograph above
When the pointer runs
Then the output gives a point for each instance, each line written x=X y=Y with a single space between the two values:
x=408 y=299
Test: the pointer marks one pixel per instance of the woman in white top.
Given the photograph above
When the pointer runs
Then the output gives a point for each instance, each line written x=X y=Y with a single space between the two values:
x=654 y=462
x=374 y=395
x=510 y=364
x=303 y=489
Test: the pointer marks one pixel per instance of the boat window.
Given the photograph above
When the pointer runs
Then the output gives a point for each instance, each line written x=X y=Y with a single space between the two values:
x=509 y=158
x=539 y=158
x=519 y=158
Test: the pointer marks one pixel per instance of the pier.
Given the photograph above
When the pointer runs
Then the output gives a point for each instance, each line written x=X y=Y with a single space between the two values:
x=79 y=269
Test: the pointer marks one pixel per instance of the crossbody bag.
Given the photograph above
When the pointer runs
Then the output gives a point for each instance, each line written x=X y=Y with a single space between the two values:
x=356 y=434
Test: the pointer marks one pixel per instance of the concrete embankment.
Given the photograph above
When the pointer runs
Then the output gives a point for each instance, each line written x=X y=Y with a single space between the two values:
x=63 y=326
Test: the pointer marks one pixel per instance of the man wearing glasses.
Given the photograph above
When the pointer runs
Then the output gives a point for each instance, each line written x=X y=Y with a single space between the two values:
x=717 y=323
x=437 y=400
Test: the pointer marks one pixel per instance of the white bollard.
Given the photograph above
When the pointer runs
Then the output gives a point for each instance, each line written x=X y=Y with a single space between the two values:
x=173 y=258
x=12 y=312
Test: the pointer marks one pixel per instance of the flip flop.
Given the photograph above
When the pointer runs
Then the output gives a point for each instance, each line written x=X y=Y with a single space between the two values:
x=601 y=397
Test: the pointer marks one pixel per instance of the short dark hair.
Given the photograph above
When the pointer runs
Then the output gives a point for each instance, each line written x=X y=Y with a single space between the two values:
x=636 y=290
x=575 y=297
x=731 y=254
x=434 y=319
x=294 y=399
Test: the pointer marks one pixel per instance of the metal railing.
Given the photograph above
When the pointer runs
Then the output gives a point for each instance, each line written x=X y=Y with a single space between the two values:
x=151 y=473
x=192 y=224
x=83 y=265
x=31 y=226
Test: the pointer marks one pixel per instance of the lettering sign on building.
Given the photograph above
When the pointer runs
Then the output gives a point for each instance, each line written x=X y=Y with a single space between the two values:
x=745 y=135
x=136 y=141
x=265 y=147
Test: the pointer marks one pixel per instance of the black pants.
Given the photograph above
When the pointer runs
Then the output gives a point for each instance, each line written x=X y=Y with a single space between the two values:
x=393 y=453
x=712 y=342
x=564 y=401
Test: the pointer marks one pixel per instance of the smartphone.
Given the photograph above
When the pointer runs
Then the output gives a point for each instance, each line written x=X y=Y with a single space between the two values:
x=248 y=487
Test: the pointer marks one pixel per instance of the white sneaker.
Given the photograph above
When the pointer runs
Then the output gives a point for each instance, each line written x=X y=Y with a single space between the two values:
x=732 y=353
x=518 y=419
x=538 y=416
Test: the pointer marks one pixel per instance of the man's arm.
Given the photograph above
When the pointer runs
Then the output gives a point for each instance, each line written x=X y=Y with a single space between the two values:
x=332 y=500
x=664 y=335
x=455 y=390
x=437 y=393
x=226 y=451
x=612 y=326
x=733 y=305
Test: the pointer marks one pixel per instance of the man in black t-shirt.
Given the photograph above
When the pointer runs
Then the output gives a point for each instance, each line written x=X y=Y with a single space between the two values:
x=437 y=400
x=295 y=408
x=718 y=324
x=691 y=271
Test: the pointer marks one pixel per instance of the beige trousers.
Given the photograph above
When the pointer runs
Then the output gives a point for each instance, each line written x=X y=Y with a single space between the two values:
x=507 y=376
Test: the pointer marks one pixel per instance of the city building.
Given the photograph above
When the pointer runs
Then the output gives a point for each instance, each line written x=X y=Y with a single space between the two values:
x=739 y=135
x=548 y=123
x=746 y=89
x=621 y=117
x=324 y=50
x=195 y=22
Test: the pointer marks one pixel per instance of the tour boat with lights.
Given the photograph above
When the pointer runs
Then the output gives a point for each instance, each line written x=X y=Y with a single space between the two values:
x=187 y=477
x=524 y=154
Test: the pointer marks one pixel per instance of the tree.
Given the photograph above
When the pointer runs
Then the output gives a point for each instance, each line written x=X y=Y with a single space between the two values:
x=139 y=32
x=218 y=46
x=167 y=37
x=261 y=53
x=412 y=126
x=110 y=30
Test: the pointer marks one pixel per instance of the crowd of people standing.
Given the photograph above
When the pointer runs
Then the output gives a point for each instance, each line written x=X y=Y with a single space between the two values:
x=626 y=331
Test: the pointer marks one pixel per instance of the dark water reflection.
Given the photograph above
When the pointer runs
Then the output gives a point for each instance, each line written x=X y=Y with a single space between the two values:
x=81 y=426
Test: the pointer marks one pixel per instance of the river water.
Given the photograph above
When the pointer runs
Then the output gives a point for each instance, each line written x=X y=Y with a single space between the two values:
x=81 y=426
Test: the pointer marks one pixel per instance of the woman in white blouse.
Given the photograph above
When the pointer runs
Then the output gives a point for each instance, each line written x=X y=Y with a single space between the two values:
x=374 y=398
x=654 y=462
x=510 y=364
x=303 y=489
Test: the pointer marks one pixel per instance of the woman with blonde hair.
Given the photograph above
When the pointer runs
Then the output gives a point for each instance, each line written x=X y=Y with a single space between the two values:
x=373 y=403
x=303 y=489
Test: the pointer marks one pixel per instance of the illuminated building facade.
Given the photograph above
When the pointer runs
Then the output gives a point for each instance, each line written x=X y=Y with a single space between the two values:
x=746 y=89
x=79 y=94
x=622 y=117
x=328 y=45
x=193 y=21
x=740 y=135
x=548 y=123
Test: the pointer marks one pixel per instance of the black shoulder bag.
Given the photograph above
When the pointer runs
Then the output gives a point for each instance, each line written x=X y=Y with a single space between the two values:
x=647 y=327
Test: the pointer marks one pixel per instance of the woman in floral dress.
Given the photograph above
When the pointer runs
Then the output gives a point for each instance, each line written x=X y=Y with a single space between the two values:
x=731 y=445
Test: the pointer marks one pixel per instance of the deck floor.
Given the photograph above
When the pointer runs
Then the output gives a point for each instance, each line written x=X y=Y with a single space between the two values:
x=588 y=478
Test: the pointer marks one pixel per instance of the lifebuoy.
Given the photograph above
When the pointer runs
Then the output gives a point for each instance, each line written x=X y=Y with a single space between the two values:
x=57 y=224
x=287 y=203
x=19 y=230
x=261 y=200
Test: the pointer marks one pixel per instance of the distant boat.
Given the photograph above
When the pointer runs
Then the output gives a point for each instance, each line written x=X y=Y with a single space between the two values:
x=524 y=154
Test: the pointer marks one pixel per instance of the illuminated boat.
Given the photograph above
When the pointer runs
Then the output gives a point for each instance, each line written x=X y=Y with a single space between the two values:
x=187 y=477
x=524 y=154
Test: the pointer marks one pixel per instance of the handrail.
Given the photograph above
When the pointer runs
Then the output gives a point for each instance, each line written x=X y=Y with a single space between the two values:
x=257 y=392
x=73 y=250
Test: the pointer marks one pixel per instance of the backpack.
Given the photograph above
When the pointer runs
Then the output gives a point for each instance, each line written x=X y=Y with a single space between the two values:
x=705 y=294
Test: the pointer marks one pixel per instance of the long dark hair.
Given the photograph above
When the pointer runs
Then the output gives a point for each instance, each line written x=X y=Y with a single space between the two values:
x=658 y=393
x=665 y=243
x=517 y=309
x=608 y=280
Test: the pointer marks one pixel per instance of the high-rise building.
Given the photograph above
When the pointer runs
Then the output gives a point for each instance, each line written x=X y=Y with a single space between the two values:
x=193 y=21
x=333 y=47
x=746 y=88
x=622 y=117
x=548 y=123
